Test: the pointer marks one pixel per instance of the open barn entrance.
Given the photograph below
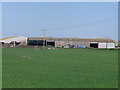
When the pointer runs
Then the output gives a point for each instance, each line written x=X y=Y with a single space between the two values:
x=50 y=43
x=41 y=42
x=36 y=42
x=94 y=45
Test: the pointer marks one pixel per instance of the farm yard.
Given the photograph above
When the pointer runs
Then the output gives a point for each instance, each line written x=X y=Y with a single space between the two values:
x=59 y=68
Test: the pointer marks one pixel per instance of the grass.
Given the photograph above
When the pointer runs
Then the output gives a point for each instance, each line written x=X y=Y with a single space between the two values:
x=62 y=68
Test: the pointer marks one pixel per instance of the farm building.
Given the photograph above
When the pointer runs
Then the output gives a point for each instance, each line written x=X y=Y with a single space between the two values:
x=63 y=42
x=17 y=39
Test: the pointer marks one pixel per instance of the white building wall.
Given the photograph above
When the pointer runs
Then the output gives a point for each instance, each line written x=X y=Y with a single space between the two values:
x=110 y=45
x=102 y=45
x=106 y=45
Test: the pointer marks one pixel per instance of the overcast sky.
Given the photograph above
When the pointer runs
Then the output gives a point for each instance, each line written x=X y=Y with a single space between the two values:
x=83 y=20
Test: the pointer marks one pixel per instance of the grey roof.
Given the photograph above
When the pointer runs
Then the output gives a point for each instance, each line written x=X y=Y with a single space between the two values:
x=74 y=39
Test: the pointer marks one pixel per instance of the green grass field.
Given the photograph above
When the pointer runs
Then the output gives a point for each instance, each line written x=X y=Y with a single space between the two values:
x=62 y=68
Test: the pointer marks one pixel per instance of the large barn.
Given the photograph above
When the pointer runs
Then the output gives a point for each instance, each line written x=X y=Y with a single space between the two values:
x=17 y=39
x=62 y=42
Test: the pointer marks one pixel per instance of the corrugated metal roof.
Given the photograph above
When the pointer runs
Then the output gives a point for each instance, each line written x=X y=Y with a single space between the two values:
x=74 y=39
